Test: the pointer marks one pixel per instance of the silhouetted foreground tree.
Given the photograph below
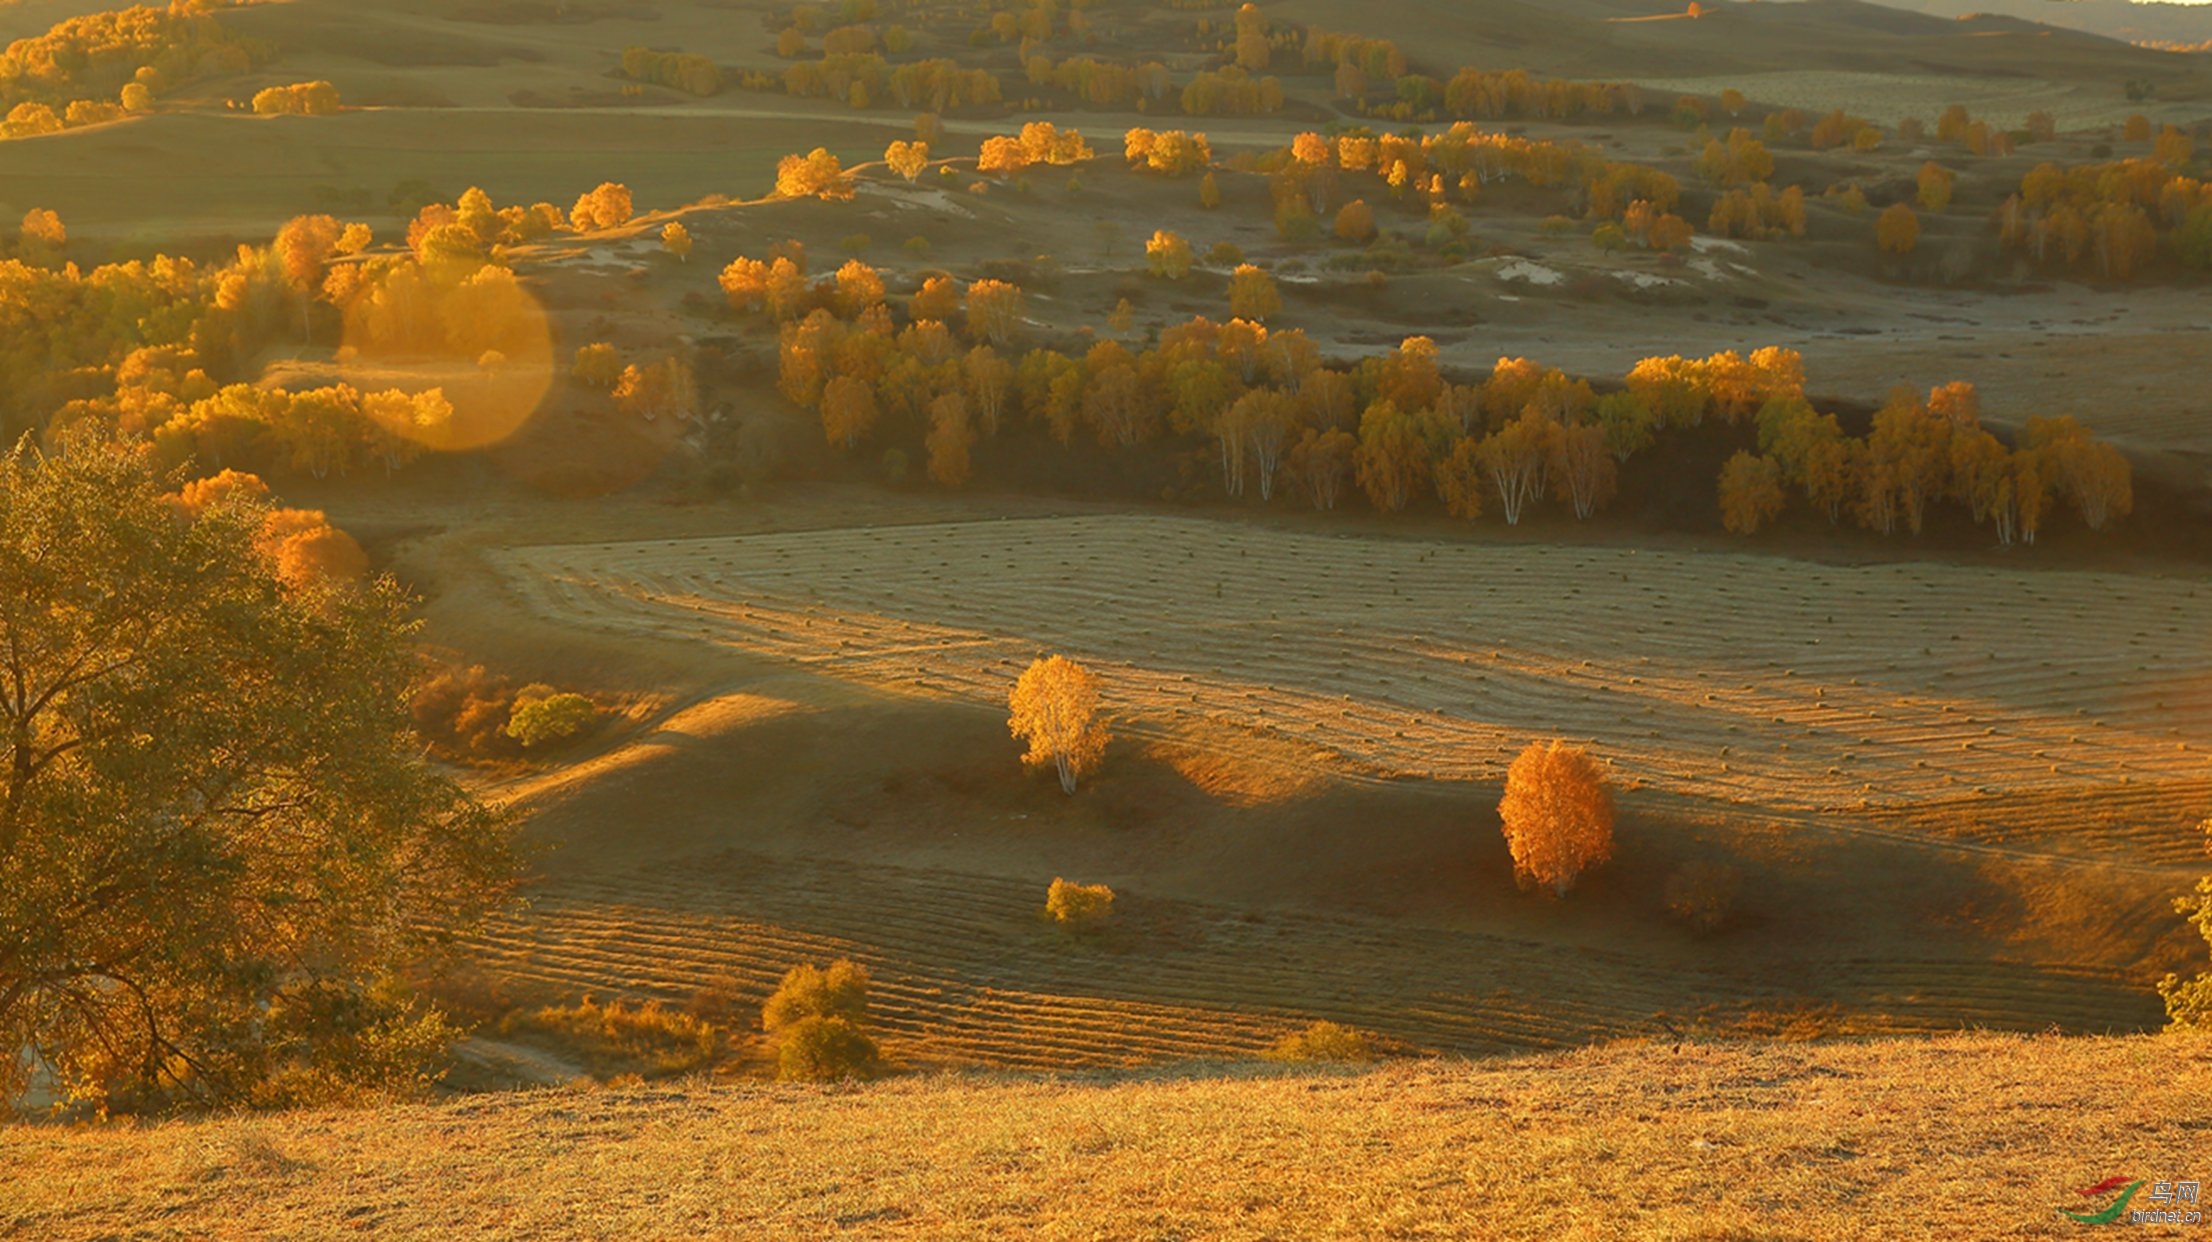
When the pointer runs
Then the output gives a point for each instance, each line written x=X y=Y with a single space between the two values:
x=219 y=843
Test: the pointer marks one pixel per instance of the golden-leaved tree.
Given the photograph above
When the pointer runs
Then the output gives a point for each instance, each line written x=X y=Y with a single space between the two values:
x=221 y=849
x=2189 y=1001
x=1557 y=814
x=1055 y=709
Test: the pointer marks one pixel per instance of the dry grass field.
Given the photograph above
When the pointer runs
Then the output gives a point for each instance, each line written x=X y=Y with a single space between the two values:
x=1738 y=678
x=1957 y=1137
x=1960 y=786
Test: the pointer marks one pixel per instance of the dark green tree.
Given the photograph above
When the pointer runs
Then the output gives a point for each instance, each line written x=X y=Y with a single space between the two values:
x=220 y=846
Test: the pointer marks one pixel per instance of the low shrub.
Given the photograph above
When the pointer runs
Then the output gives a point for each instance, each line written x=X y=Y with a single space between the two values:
x=826 y=1050
x=808 y=991
x=619 y=1038
x=1703 y=894
x=1078 y=905
x=1323 y=1041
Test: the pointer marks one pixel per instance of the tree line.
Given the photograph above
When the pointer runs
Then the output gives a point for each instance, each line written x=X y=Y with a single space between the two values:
x=1275 y=414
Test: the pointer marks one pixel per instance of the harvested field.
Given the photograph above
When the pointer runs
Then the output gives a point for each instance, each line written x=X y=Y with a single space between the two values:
x=1737 y=678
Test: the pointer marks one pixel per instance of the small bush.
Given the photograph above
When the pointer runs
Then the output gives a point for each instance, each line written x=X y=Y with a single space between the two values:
x=1078 y=905
x=1703 y=894
x=826 y=1050
x=1225 y=254
x=855 y=243
x=541 y=717
x=807 y=991
x=619 y=1038
x=463 y=711
x=894 y=466
x=1323 y=1041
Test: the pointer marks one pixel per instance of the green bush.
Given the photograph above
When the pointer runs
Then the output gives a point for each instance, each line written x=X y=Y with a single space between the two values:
x=1323 y=1041
x=807 y=991
x=826 y=1050
x=542 y=717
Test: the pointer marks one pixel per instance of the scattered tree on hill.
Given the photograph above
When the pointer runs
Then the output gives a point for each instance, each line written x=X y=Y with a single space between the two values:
x=817 y=174
x=1557 y=814
x=607 y=207
x=1055 y=708
x=1355 y=222
x=676 y=240
x=597 y=365
x=41 y=239
x=907 y=159
x=1897 y=230
x=219 y=845
x=1167 y=255
x=1934 y=184
x=1252 y=294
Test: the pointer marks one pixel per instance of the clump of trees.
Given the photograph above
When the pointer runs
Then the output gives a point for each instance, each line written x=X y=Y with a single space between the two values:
x=2114 y=217
x=180 y=711
x=1919 y=452
x=1055 y=708
x=128 y=54
x=693 y=75
x=299 y=99
x=818 y=1018
x=1040 y=142
x=1171 y=153
x=817 y=174
x=1557 y=814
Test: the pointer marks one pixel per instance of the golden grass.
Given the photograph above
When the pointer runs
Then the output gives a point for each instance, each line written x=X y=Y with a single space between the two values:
x=1957 y=1137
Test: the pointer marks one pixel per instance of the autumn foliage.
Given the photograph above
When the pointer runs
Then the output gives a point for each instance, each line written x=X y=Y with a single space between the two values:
x=1055 y=708
x=1557 y=814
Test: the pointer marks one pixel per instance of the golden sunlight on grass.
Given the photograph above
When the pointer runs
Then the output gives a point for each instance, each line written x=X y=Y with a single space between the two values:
x=1957 y=1136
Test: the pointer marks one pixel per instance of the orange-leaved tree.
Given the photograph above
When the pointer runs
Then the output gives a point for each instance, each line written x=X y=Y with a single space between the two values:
x=1055 y=709
x=1558 y=815
x=1897 y=230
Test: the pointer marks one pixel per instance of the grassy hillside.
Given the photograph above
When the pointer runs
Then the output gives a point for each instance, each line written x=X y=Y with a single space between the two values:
x=1964 y=1136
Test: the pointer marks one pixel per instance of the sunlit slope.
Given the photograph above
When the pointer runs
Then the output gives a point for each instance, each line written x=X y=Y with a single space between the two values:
x=1739 y=678
x=1969 y=1137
